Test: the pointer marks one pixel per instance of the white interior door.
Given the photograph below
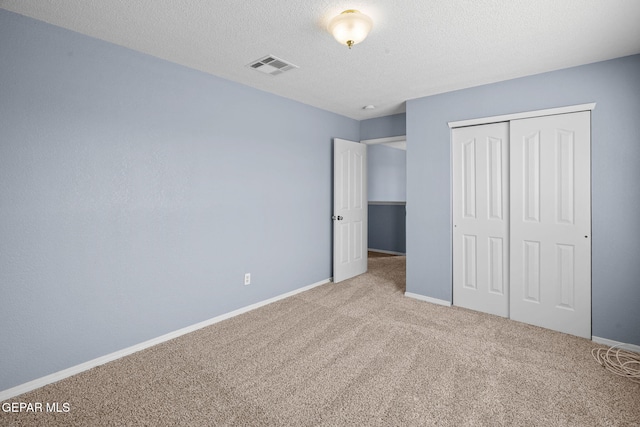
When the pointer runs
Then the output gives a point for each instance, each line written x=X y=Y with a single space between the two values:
x=481 y=218
x=349 y=209
x=550 y=228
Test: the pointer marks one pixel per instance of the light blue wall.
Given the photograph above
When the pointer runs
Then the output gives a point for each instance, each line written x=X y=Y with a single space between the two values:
x=135 y=194
x=383 y=127
x=387 y=227
x=615 y=87
x=387 y=172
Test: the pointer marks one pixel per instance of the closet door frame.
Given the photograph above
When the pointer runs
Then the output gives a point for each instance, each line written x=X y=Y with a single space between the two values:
x=523 y=115
x=504 y=118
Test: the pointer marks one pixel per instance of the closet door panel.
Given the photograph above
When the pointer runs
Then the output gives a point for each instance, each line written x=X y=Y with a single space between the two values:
x=550 y=230
x=480 y=210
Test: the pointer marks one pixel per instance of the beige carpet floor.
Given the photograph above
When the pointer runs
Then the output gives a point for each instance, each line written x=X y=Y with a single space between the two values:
x=356 y=353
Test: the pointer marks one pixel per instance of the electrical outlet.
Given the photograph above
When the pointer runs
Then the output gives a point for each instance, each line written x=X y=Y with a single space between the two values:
x=247 y=278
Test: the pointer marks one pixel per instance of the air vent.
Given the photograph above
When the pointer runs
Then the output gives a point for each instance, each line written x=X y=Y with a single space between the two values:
x=271 y=65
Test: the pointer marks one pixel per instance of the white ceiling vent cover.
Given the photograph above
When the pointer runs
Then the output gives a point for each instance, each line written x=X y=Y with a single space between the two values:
x=271 y=65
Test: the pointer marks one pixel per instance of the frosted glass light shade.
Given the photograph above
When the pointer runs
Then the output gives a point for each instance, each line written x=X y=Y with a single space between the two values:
x=350 y=27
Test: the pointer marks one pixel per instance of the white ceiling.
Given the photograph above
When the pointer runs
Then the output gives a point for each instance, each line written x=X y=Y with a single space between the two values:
x=416 y=48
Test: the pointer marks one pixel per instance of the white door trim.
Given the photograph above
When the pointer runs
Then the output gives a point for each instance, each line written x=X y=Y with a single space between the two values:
x=399 y=142
x=388 y=140
x=523 y=115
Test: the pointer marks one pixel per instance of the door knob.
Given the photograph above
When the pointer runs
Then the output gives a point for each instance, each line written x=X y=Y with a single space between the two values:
x=339 y=218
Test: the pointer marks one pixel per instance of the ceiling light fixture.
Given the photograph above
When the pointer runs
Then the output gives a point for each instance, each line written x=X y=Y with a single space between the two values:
x=350 y=27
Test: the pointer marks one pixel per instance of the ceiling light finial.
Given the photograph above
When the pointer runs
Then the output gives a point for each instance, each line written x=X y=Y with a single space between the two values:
x=350 y=27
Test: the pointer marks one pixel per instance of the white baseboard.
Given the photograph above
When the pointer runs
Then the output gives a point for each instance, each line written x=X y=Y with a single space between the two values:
x=382 y=251
x=611 y=343
x=65 y=373
x=428 y=299
x=599 y=340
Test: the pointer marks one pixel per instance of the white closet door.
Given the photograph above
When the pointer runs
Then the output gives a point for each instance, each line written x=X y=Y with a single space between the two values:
x=481 y=210
x=550 y=232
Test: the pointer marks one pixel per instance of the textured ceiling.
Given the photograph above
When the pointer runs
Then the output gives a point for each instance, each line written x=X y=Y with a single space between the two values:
x=416 y=48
